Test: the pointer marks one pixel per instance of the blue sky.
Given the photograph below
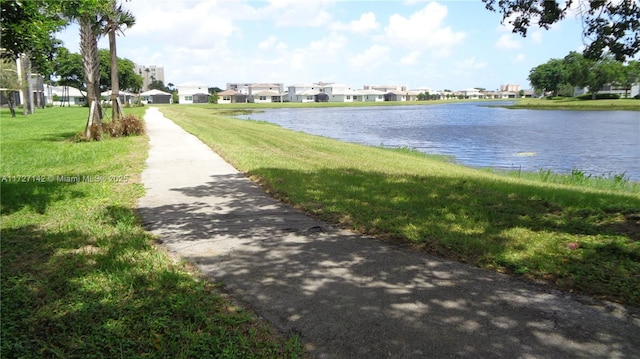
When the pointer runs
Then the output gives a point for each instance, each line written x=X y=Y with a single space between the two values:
x=436 y=44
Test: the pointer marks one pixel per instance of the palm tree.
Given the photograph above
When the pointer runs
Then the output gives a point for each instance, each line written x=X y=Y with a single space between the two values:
x=89 y=29
x=116 y=19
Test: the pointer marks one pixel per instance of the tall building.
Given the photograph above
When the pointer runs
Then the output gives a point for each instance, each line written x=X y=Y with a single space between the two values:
x=510 y=88
x=149 y=74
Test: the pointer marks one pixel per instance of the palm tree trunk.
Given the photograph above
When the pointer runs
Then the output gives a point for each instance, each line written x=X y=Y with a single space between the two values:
x=116 y=109
x=91 y=67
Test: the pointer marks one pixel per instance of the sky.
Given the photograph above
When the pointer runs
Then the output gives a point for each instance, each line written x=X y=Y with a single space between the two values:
x=439 y=45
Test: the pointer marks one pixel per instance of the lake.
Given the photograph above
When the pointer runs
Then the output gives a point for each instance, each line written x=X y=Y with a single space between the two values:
x=599 y=143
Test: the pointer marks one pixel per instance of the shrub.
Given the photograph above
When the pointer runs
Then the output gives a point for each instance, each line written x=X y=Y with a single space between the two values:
x=600 y=96
x=128 y=125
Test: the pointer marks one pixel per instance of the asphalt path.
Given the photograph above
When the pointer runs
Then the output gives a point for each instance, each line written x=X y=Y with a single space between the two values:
x=351 y=296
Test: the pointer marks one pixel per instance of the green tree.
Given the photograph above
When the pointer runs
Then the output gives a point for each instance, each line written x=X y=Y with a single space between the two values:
x=631 y=75
x=549 y=76
x=213 y=98
x=9 y=82
x=68 y=66
x=604 y=72
x=157 y=85
x=578 y=69
x=117 y=19
x=608 y=25
x=27 y=32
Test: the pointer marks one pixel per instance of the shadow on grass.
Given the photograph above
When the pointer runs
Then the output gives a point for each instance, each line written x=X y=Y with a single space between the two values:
x=66 y=295
x=35 y=195
x=356 y=296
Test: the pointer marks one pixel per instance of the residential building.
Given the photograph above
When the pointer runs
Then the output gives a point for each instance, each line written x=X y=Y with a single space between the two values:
x=385 y=88
x=245 y=88
x=231 y=96
x=634 y=90
x=401 y=96
x=510 y=88
x=192 y=92
x=339 y=93
x=304 y=92
x=64 y=96
x=125 y=97
x=149 y=74
x=471 y=94
x=156 y=96
x=370 y=95
x=266 y=92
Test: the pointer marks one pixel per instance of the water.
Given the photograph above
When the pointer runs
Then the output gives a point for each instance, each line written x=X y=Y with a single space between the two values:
x=599 y=143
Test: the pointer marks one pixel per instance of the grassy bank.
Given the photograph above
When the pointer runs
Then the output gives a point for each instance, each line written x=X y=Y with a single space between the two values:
x=80 y=277
x=575 y=237
x=575 y=104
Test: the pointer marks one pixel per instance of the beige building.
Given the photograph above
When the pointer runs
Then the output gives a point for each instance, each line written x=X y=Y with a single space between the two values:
x=510 y=88
x=149 y=74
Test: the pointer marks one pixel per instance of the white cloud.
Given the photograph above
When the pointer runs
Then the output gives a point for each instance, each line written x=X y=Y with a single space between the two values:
x=272 y=43
x=410 y=59
x=518 y=58
x=294 y=13
x=327 y=50
x=366 y=23
x=536 y=36
x=507 y=42
x=424 y=30
x=470 y=64
x=371 y=58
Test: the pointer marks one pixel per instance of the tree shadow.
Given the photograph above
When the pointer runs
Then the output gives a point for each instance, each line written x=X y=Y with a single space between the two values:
x=67 y=295
x=351 y=296
x=17 y=195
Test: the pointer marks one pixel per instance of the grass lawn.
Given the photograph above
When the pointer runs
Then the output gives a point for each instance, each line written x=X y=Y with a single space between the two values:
x=581 y=236
x=575 y=104
x=80 y=277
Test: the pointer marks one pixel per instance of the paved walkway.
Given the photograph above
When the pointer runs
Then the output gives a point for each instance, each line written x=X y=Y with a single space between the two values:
x=349 y=296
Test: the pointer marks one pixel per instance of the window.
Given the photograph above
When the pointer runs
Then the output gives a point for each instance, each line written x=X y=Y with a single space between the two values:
x=226 y=98
x=348 y=97
x=263 y=98
x=188 y=98
x=309 y=98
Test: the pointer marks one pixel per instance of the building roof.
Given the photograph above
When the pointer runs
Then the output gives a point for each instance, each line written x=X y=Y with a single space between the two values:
x=124 y=93
x=229 y=93
x=267 y=93
x=154 y=92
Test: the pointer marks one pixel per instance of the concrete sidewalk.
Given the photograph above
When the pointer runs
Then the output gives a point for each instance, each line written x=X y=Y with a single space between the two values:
x=349 y=296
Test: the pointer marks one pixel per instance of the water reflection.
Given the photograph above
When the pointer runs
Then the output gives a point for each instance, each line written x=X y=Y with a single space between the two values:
x=596 y=142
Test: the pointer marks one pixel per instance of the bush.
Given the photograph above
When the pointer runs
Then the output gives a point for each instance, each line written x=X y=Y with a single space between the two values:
x=128 y=125
x=600 y=96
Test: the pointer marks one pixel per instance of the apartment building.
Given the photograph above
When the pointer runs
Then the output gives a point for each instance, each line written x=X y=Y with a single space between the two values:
x=149 y=74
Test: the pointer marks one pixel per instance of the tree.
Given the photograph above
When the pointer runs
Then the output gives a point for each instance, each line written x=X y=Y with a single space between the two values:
x=68 y=66
x=604 y=72
x=578 y=69
x=214 y=97
x=630 y=76
x=549 y=76
x=9 y=82
x=157 y=85
x=608 y=25
x=28 y=28
x=116 y=19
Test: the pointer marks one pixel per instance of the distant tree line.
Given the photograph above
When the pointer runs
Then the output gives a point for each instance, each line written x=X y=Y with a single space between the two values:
x=67 y=67
x=560 y=77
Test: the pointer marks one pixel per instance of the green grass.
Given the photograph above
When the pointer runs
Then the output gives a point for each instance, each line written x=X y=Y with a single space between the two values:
x=80 y=276
x=575 y=104
x=576 y=237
